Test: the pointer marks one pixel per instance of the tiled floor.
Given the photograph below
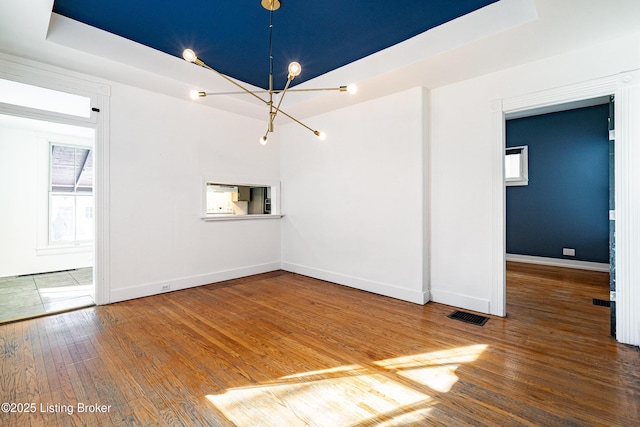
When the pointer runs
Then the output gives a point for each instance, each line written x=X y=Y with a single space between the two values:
x=29 y=296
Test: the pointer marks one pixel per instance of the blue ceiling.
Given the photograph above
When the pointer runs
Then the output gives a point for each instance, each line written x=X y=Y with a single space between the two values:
x=232 y=36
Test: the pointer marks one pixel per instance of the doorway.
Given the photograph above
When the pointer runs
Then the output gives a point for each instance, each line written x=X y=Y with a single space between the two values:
x=47 y=222
x=558 y=213
x=626 y=89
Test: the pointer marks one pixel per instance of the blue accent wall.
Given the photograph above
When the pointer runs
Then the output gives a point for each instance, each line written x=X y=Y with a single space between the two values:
x=566 y=204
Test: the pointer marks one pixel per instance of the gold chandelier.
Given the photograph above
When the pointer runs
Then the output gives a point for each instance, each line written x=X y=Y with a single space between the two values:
x=294 y=70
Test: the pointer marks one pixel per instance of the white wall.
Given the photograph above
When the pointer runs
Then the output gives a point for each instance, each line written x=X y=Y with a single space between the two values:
x=161 y=148
x=462 y=168
x=354 y=203
x=24 y=196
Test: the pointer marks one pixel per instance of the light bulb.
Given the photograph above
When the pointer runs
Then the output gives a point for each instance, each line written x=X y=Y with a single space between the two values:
x=321 y=135
x=263 y=140
x=294 y=69
x=189 y=55
x=352 y=88
x=194 y=94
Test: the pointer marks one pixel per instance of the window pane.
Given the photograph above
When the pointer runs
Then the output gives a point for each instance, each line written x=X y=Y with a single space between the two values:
x=62 y=219
x=44 y=99
x=512 y=166
x=84 y=218
x=71 y=169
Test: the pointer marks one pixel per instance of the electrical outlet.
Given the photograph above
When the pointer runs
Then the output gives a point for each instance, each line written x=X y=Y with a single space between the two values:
x=166 y=287
x=568 y=252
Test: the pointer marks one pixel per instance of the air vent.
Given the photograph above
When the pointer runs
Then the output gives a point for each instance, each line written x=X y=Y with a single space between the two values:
x=468 y=317
x=601 y=302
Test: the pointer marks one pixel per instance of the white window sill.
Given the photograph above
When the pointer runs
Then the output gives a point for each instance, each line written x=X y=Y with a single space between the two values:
x=515 y=183
x=60 y=250
x=231 y=217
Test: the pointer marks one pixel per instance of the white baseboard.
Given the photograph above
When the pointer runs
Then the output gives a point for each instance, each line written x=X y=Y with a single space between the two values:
x=559 y=262
x=416 y=297
x=149 y=289
x=461 y=301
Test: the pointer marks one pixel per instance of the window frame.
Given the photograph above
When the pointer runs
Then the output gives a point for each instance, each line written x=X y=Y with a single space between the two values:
x=274 y=187
x=523 y=178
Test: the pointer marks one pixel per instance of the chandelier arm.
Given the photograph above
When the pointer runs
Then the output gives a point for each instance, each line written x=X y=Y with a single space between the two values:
x=202 y=64
x=296 y=120
x=234 y=93
x=275 y=92
x=341 y=89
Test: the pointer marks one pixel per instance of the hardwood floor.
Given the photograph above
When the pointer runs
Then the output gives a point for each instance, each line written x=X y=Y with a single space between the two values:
x=286 y=350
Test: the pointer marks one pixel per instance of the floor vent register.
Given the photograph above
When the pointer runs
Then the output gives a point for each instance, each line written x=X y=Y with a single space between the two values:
x=468 y=317
x=601 y=302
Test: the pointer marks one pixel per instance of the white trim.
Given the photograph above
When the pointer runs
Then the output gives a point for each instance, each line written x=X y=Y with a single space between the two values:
x=131 y=292
x=457 y=300
x=498 y=305
x=426 y=192
x=558 y=262
x=626 y=88
x=102 y=266
x=359 y=283
x=230 y=217
x=41 y=75
x=58 y=250
x=562 y=95
x=627 y=207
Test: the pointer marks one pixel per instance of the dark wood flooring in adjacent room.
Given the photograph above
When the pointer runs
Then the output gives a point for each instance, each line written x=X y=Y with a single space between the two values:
x=285 y=350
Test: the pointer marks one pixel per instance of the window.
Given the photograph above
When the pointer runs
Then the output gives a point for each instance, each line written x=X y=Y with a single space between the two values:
x=516 y=165
x=71 y=195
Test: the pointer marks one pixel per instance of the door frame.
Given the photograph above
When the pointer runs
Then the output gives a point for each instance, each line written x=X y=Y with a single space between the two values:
x=28 y=72
x=626 y=89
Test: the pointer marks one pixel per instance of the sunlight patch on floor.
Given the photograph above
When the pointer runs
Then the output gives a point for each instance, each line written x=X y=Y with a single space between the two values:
x=67 y=291
x=408 y=418
x=337 y=401
x=349 y=394
x=435 y=358
x=435 y=370
x=348 y=369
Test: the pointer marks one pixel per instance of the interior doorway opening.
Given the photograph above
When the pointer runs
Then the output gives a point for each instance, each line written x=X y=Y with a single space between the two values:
x=47 y=223
x=624 y=86
x=561 y=229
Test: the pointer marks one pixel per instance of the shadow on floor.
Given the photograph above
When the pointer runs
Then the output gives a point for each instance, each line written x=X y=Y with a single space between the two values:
x=34 y=295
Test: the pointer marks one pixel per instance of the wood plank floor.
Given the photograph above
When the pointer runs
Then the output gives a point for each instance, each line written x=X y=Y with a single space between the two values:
x=281 y=349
